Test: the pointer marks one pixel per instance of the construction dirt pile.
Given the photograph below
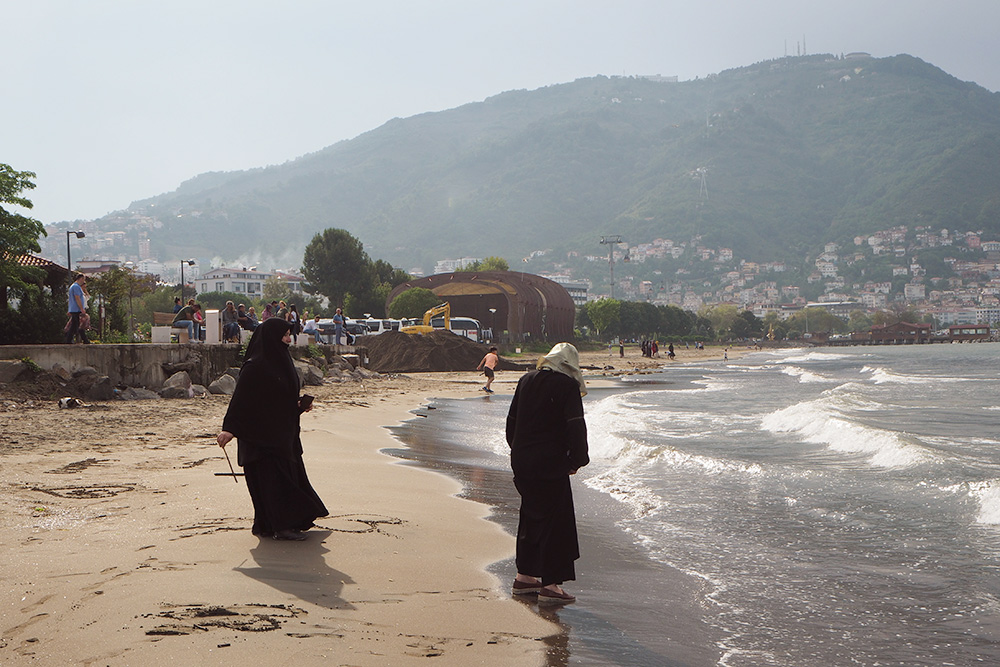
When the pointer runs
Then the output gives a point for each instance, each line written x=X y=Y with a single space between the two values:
x=395 y=352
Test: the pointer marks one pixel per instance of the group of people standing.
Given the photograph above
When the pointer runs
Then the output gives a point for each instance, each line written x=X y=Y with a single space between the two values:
x=545 y=429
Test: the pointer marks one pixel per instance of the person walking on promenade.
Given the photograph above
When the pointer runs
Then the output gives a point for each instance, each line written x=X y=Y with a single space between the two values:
x=270 y=450
x=488 y=367
x=77 y=309
x=547 y=435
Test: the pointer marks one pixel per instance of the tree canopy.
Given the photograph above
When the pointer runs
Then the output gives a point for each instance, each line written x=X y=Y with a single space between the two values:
x=486 y=264
x=414 y=302
x=335 y=264
x=18 y=233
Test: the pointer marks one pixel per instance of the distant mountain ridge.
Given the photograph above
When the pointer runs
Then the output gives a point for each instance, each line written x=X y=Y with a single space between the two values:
x=772 y=160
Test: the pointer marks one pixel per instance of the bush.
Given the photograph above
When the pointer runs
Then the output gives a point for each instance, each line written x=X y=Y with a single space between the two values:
x=38 y=319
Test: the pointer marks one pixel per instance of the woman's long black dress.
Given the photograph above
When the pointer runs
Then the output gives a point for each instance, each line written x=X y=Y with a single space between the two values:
x=264 y=415
x=547 y=435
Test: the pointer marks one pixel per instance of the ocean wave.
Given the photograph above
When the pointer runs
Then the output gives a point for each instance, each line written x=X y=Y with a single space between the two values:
x=881 y=375
x=820 y=422
x=620 y=484
x=803 y=375
x=815 y=356
x=986 y=494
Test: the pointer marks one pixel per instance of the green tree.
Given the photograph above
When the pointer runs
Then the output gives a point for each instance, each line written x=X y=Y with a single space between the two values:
x=116 y=289
x=335 y=264
x=810 y=320
x=413 y=302
x=859 y=320
x=605 y=315
x=18 y=233
x=722 y=317
x=374 y=291
x=275 y=289
x=675 y=321
x=487 y=264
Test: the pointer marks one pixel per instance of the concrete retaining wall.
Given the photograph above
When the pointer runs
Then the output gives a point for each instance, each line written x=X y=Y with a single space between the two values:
x=137 y=365
x=149 y=365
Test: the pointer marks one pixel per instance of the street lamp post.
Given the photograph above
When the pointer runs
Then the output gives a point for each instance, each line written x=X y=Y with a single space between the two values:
x=189 y=262
x=69 y=260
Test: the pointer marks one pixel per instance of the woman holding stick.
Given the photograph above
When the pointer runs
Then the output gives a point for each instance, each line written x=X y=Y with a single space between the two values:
x=270 y=451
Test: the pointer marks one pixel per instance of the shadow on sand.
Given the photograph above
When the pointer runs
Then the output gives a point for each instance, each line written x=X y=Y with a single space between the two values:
x=299 y=569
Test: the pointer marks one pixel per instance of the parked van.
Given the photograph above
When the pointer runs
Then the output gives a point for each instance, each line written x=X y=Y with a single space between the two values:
x=377 y=326
x=463 y=326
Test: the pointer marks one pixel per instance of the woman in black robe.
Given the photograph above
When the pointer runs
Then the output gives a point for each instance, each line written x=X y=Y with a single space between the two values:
x=547 y=435
x=264 y=416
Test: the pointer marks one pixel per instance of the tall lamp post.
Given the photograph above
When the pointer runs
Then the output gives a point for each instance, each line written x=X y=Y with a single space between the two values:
x=189 y=262
x=69 y=259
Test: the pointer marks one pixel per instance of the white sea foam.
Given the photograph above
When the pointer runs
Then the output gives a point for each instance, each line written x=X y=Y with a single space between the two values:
x=814 y=356
x=819 y=422
x=881 y=375
x=986 y=493
x=803 y=375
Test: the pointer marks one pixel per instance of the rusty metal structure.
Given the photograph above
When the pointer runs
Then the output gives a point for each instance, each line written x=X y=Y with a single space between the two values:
x=525 y=306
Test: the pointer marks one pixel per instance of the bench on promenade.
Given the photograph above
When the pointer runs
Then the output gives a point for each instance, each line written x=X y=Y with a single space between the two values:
x=162 y=330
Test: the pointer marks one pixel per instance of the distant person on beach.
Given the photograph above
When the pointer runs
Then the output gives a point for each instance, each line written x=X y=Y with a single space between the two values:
x=547 y=435
x=621 y=349
x=77 y=309
x=670 y=351
x=488 y=366
x=270 y=450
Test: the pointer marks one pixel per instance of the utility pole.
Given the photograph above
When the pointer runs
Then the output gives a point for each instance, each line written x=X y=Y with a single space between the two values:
x=612 y=241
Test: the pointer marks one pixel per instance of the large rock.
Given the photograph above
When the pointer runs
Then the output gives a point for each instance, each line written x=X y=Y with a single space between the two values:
x=101 y=390
x=180 y=379
x=176 y=392
x=225 y=384
x=137 y=394
x=309 y=374
x=12 y=369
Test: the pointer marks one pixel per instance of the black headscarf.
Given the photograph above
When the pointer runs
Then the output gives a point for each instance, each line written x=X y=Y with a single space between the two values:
x=264 y=409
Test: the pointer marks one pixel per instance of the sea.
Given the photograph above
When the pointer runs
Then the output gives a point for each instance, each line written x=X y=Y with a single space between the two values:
x=821 y=506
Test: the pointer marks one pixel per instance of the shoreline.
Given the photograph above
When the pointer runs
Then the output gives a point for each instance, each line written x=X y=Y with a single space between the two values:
x=123 y=546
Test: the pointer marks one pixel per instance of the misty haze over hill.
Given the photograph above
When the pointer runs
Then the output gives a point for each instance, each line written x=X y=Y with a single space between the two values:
x=772 y=160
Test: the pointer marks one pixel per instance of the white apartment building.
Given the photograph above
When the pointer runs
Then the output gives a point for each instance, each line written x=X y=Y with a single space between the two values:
x=243 y=281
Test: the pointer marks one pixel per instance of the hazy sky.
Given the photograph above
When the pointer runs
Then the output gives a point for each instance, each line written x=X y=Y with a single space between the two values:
x=110 y=101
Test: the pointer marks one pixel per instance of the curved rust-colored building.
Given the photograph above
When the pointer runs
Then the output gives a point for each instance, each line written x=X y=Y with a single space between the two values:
x=528 y=307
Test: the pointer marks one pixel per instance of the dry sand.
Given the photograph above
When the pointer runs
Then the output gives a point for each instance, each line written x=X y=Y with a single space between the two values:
x=122 y=546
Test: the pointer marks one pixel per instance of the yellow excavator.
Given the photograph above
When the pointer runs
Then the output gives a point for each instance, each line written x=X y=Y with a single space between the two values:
x=440 y=309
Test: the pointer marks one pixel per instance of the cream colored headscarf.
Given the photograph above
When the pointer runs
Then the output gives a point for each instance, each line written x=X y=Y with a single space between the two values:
x=563 y=358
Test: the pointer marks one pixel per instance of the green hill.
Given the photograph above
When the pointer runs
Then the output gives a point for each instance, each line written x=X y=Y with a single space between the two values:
x=794 y=152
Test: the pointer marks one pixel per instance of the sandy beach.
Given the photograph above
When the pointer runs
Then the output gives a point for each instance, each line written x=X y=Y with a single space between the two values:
x=125 y=540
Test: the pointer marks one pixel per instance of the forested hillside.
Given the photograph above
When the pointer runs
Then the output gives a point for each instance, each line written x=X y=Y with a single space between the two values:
x=771 y=160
